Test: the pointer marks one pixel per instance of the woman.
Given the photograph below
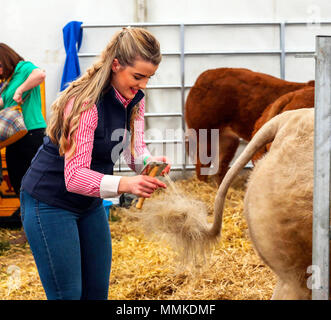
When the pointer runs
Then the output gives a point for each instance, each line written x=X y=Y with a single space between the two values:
x=22 y=80
x=92 y=122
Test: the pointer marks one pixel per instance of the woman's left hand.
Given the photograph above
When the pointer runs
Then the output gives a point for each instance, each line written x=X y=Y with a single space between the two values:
x=162 y=159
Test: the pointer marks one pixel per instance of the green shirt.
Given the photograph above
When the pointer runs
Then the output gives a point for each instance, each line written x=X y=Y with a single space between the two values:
x=31 y=107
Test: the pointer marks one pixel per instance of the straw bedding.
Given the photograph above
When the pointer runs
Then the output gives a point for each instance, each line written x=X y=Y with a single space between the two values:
x=149 y=267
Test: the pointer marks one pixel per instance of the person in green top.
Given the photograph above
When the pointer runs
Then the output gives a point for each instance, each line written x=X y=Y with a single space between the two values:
x=22 y=79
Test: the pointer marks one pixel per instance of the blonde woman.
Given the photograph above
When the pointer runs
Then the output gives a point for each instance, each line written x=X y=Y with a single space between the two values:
x=62 y=191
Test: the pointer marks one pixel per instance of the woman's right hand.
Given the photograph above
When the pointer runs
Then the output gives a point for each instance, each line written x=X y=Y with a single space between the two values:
x=141 y=186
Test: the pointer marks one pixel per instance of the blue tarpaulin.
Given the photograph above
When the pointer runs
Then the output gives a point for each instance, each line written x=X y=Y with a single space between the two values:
x=107 y=204
x=72 y=38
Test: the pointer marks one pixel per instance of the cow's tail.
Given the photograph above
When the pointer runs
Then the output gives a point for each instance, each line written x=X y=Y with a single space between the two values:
x=264 y=136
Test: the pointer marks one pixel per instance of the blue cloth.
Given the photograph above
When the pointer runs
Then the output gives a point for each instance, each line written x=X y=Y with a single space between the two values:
x=107 y=204
x=72 y=38
x=72 y=251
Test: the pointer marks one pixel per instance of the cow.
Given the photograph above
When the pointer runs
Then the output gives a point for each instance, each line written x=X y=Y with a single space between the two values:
x=230 y=100
x=278 y=202
x=302 y=98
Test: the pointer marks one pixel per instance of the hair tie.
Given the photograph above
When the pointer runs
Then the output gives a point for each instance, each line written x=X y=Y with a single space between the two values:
x=124 y=29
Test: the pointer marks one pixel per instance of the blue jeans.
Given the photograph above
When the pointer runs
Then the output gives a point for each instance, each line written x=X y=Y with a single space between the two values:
x=72 y=251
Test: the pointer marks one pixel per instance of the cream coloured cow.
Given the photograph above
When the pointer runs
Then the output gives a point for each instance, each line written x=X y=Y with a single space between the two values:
x=278 y=202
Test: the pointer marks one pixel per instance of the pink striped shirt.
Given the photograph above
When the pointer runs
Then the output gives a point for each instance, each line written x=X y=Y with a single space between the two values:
x=79 y=178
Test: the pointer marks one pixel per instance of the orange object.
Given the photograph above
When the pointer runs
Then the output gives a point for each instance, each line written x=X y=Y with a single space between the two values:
x=152 y=173
x=9 y=201
x=43 y=99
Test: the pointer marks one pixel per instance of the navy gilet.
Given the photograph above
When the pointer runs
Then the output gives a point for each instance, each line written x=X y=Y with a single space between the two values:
x=44 y=180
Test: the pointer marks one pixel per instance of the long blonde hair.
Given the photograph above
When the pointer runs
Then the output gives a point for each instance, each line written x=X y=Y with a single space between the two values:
x=126 y=45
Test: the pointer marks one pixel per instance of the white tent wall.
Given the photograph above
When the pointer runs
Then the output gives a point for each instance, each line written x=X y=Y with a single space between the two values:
x=34 y=29
x=239 y=10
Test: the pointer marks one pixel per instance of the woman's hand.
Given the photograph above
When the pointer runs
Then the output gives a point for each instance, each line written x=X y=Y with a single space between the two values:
x=141 y=186
x=162 y=159
x=18 y=95
x=35 y=78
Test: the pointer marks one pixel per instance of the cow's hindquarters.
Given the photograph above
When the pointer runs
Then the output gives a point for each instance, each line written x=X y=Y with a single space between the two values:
x=278 y=206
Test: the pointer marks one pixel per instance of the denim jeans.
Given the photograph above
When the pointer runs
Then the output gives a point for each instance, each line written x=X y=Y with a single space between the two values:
x=72 y=251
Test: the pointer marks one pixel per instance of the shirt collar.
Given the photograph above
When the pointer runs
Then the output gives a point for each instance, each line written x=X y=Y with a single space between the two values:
x=121 y=99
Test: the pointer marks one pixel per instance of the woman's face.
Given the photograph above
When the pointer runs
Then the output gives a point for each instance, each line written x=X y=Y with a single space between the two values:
x=128 y=80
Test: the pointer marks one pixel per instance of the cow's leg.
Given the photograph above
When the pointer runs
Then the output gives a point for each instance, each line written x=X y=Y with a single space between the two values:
x=228 y=145
x=278 y=237
x=290 y=291
x=199 y=165
x=283 y=291
x=278 y=290
x=203 y=149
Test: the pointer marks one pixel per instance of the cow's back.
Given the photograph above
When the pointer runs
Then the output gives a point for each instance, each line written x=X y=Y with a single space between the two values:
x=232 y=96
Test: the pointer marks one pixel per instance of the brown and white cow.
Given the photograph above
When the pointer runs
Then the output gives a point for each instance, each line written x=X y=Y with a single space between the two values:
x=278 y=202
x=231 y=100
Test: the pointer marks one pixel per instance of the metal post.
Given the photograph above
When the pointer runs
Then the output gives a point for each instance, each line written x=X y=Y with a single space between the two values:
x=322 y=169
x=141 y=10
x=282 y=49
x=182 y=77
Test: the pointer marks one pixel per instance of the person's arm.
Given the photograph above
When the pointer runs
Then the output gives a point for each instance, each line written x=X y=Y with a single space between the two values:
x=79 y=178
x=36 y=77
x=1 y=102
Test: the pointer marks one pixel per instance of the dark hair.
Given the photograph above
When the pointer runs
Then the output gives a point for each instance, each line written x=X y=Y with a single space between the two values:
x=9 y=59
